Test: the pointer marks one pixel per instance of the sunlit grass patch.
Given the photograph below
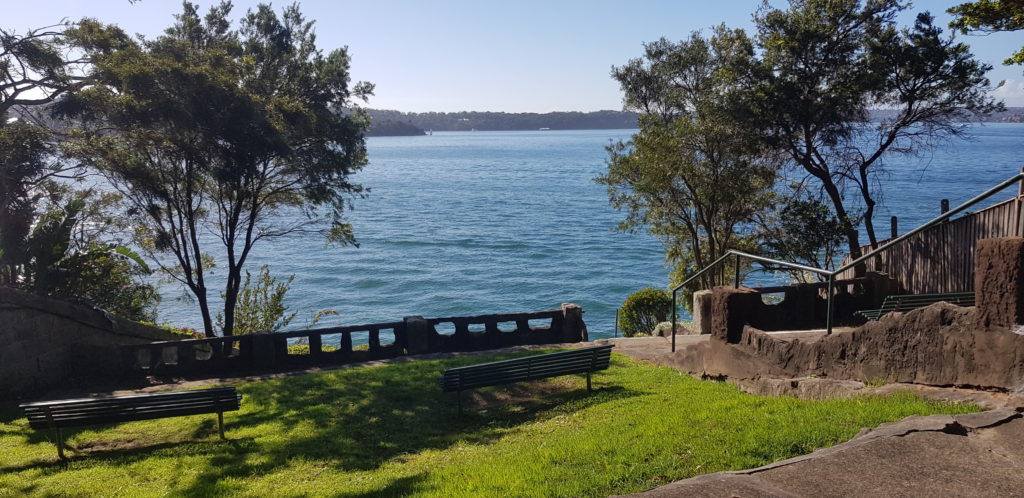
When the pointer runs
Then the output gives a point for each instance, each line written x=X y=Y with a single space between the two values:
x=389 y=430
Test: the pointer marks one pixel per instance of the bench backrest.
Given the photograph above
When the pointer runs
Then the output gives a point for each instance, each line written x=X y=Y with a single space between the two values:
x=113 y=409
x=541 y=366
x=906 y=302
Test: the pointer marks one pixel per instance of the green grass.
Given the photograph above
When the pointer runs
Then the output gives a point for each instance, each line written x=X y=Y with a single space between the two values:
x=390 y=431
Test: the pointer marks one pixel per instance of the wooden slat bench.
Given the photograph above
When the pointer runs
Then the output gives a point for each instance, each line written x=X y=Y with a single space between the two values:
x=58 y=414
x=907 y=302
x=575 y=361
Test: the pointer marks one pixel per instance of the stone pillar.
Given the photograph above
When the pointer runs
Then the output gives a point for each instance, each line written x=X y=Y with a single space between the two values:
x=263 y=354
x=731 y=309
x=999 y=282
x=573 y=328
x=702 y=311
x=417 y=334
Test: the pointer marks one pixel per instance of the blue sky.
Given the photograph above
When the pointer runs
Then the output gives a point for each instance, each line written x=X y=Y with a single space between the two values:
x=514 y=56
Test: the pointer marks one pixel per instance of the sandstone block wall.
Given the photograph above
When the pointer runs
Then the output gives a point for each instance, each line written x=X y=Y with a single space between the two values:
x=47 y=343
x=943 y=344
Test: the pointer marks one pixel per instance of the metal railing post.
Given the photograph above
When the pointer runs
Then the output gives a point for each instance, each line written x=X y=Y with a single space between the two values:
x=674 y=291
x=737 y=286
x=828 y=307
x=616 y=322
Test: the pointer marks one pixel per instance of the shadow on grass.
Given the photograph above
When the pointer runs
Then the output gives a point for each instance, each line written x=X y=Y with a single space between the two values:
x=353 y=420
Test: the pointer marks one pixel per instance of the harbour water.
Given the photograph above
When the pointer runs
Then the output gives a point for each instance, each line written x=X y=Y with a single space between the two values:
x=467 y=223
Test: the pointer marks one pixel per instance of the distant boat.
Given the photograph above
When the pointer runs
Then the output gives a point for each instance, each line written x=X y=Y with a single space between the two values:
x=545 y=129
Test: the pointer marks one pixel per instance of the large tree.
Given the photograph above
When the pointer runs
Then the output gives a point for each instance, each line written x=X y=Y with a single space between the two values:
x=826 y=64
x=690 y=176
x=220 y=131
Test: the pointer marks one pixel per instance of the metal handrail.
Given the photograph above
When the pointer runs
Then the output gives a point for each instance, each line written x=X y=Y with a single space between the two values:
x=1019 y=177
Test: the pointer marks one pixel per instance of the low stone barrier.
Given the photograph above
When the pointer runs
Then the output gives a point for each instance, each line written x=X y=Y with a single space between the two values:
x=413 y=335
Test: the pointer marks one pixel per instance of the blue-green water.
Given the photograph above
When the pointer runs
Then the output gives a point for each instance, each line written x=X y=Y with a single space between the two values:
x=491 y=222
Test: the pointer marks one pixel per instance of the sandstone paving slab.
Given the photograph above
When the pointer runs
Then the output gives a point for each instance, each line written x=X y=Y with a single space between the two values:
x=941 y=455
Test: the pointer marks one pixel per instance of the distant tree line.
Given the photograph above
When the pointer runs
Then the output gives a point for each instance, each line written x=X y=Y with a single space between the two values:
x=392 y=128
x=507 y=121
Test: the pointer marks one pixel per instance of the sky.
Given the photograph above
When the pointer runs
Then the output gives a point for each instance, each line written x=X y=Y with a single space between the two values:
x=490 y=55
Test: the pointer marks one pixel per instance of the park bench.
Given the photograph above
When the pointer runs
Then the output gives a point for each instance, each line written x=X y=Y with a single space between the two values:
x=59 y=414
x=542 y=366
x=907 y=302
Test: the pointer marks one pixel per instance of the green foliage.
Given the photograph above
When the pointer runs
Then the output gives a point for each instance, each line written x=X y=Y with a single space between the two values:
x=990 y=16
x=389 y=431
x=304 y=348
x=802 y=230
x=42 y=64
x=261 y=304
x=643 y=310
x=25 y=181
x=825 y=63
x=691 y=176
x=275 y=140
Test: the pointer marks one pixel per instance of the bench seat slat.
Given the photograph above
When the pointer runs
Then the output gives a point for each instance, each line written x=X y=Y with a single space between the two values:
x=133 y=403
x=575 y=361
x=119 y=417
x=909 y=302
x=94 y=411
x=224 y=392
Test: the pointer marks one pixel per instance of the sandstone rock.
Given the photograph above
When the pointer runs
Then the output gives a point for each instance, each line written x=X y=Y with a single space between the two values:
x=663 y=329
x=702 y=311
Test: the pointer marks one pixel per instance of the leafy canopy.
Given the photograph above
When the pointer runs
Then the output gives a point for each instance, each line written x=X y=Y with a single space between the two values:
x=225 y=130
x=990 y=16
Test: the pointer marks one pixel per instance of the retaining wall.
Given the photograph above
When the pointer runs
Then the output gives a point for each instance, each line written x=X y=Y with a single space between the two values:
x=47 y=343
x=943 y=344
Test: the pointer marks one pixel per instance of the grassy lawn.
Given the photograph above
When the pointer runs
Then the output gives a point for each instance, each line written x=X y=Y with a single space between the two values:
x=390 y=431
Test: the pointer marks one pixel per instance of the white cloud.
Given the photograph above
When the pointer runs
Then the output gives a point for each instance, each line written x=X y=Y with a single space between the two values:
x=1011 y=92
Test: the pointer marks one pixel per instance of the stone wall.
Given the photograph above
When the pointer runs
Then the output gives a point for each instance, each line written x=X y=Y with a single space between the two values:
x=942 y=344
x=334 y=345
x=47 y=343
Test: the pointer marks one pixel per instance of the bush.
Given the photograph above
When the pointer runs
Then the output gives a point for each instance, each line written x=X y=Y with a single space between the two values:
x=260 y=306
x=643 y=310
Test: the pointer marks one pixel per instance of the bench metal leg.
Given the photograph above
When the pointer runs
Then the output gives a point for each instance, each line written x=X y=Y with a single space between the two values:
x=458 y=396
x=588 y=382
x=220 y=424
x=59 y=435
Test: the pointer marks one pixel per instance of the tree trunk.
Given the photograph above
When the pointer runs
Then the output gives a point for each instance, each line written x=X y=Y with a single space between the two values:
x=204 y=308
x=852 y=238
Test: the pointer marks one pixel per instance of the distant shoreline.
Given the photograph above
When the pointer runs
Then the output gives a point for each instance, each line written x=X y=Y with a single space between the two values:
x=397 y=123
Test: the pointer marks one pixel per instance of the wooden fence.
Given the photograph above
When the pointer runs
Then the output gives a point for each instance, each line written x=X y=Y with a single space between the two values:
x=941 y=259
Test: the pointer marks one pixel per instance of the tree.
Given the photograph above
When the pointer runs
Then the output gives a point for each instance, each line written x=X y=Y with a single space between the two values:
x=690 y=176
x=800 y=228
x=826 y=63
x=990 y=16
x=220 y=131
x=53 y=240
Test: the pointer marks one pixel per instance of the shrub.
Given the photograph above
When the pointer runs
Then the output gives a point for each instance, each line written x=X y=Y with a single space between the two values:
x=643 y=310
x=260 y=306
